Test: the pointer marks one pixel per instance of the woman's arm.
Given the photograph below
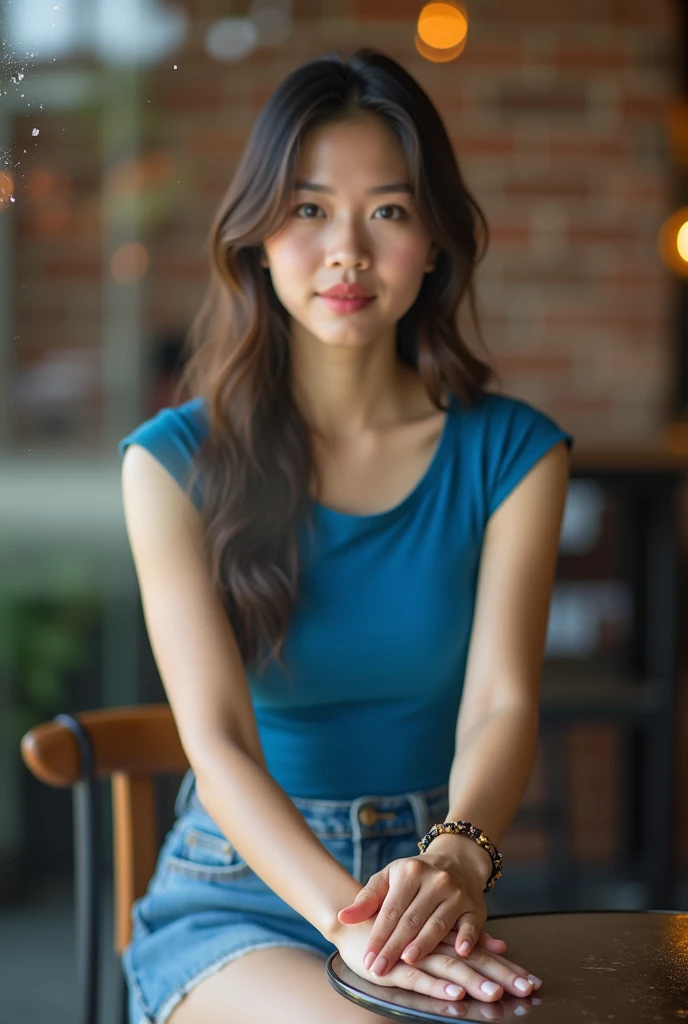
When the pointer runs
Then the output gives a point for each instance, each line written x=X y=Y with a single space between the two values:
x=203 y=675
x=497 y=727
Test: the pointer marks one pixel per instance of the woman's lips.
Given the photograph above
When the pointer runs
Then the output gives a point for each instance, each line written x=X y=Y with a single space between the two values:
x=340 y=305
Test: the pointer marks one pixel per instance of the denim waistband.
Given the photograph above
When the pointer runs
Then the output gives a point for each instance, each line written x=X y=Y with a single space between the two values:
x=363 y=817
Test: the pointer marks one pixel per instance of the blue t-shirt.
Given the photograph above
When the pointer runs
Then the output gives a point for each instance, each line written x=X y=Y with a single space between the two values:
x=378 y=639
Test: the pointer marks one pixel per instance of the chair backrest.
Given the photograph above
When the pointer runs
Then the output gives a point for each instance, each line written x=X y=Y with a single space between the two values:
x=130 y=746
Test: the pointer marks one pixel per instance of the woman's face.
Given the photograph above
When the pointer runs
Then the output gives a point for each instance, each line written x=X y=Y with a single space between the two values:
x=349 y=234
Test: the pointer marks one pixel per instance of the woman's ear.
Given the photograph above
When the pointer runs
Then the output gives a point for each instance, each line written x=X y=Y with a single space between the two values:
x=432 y=259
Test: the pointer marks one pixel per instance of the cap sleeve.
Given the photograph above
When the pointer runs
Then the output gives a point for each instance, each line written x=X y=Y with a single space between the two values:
x=172 y=436
x=519 y=435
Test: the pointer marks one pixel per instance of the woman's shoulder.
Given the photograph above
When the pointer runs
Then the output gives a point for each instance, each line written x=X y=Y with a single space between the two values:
x=500 y=415
x=182 y=425
x=172 y=435
x=506 y=436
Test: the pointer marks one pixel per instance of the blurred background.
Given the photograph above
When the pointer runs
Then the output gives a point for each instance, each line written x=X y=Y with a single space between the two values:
x=120 y=126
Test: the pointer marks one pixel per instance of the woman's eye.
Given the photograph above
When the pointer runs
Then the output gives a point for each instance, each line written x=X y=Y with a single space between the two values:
x=402 y=211
x=306 y=206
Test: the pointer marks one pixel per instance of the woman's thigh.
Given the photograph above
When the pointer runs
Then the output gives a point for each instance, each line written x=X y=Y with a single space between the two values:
x=280 y=985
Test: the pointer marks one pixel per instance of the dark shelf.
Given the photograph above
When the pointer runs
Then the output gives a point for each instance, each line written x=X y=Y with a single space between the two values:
x=571 y=689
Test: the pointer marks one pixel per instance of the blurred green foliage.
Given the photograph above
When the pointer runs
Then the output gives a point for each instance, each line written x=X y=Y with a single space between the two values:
x=51 y=638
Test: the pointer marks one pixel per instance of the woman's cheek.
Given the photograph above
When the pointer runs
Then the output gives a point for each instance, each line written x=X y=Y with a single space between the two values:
x=406 y=259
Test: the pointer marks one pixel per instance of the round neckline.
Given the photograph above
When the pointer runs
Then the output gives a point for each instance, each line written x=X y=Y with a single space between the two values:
x=413 y=495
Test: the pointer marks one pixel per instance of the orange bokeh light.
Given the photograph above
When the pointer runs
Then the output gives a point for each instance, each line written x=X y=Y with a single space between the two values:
x=40 y=182
x=130 y=176
x=6 y=189
x=672 y=242
x=439 y=56
x=129 y=263
x=443 y=25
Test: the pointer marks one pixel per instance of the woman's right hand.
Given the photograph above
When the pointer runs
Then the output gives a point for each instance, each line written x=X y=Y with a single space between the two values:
x=430 y=975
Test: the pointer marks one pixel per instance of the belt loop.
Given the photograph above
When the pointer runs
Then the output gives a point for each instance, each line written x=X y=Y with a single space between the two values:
x=420 y=812
x=356 y=837
x=185 y=793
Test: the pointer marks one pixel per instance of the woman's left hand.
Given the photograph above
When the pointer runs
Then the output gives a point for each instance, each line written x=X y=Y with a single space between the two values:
x=418 y=901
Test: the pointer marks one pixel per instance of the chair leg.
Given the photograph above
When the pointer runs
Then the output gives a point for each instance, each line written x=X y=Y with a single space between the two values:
x=87 y=874
x=123 y=1000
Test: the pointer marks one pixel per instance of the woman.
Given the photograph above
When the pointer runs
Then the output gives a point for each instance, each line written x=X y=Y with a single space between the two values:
x=345 y=546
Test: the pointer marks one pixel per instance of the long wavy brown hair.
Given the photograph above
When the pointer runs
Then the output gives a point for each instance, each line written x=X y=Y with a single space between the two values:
x=256 y=462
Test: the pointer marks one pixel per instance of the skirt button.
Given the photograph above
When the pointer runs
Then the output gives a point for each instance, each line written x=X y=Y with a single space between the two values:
x=367 y=815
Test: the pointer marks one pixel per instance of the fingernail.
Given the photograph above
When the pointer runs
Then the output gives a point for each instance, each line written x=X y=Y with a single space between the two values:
x=453 y=990
x=464 y=947
x=379 y=965
x=410 y=954
x=523 y=985
x=535 y=980
x=489 y=988
x=369 y=960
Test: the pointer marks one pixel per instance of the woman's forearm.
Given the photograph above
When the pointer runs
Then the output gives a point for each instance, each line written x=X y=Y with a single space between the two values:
x=273 y=837
x=488 y=778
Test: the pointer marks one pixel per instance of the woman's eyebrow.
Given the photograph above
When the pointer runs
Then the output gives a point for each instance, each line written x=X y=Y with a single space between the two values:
x=397 y=186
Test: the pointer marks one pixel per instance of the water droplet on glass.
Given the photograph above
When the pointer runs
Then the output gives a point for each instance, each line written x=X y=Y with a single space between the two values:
x=12 y=199
x=35 y=131
x=175 y=67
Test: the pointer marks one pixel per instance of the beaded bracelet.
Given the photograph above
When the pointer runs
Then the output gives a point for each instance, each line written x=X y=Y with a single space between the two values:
x=465 y=828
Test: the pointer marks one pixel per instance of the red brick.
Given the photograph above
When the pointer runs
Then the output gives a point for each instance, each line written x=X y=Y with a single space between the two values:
x=386 y=10
x=486 y=145
x=583 y=58
x=492 y=54
x=597 y=234
x=653 y=108
x=503 y=233
x=553 y=99
x=550 y=188
x=644 y=13
x=564 y=13
x=586 y=147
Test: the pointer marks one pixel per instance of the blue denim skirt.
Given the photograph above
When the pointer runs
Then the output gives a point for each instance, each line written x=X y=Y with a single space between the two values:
x=205 y=906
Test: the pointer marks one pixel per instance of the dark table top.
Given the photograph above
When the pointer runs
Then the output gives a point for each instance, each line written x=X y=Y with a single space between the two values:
x=618 y=966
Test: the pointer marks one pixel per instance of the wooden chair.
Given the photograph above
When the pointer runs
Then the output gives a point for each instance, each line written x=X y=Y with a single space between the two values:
x=130 y=746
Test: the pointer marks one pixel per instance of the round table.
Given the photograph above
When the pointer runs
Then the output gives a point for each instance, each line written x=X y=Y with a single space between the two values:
x=596 y=967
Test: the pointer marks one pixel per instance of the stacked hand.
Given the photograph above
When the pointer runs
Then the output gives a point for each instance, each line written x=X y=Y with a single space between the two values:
x=434 y=904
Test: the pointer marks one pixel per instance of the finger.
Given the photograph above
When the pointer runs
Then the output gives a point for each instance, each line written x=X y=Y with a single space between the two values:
x=414 y=980
x=512 y=978
x=363 y=907
x=447 y=946
x=485 y=941
x=433 y=931
x=517 y=969
x=490 y=943
x=367 y=900
x=451 y=1009
x=389 y=921
x=468 y=929
x=455 y=970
